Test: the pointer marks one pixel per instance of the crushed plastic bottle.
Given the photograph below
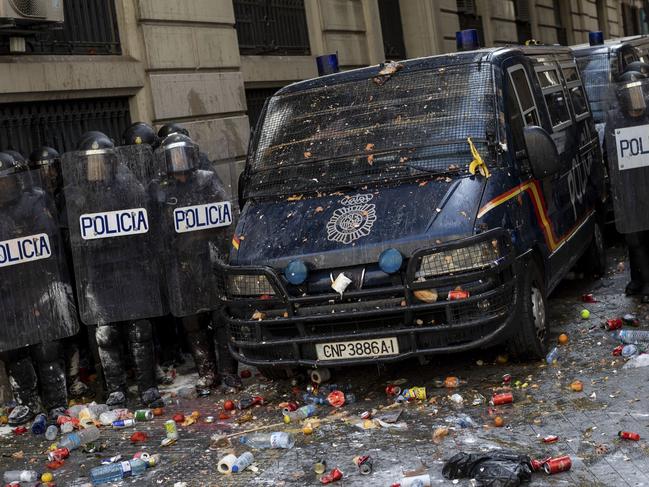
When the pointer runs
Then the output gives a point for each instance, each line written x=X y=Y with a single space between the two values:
x=300 y=413
x=311 y=399
x=243 y=462
x=117 y=471
x=632 y=336
x=107 y=418
x=51 y=432
x=20 y=476
x=40 y=424
x=553 y=356
x=629 y=351
x=74 y=440
x=278 y=439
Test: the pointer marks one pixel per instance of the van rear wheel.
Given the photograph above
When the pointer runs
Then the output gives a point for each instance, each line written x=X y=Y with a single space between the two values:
x=530 y=341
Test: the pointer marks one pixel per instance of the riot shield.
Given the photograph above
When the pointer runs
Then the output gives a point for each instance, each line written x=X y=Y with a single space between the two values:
x=197 y=221
x=627 y=145
x=138 y=160
x=36 y=300
x=112 y=235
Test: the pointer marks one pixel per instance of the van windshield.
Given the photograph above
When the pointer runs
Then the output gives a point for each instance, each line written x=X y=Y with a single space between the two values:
x=370 y=129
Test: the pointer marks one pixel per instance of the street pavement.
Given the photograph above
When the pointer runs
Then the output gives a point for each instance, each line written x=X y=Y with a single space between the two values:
x=586 y=422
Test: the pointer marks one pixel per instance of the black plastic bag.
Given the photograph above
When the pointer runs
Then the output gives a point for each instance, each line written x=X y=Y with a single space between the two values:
x=500 y=468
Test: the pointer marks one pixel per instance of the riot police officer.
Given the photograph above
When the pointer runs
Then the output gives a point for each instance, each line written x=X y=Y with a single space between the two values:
x=165 y=131
x=117 y=277
x=629 y=110
x=46 y=161
x=36 y=302
x=140 y=133
x=183 y=194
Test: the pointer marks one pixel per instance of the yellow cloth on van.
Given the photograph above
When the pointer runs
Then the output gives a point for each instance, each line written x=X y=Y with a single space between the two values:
x=477 y=162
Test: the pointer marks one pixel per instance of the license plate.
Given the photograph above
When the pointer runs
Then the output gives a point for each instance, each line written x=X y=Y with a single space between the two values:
x=357 y=349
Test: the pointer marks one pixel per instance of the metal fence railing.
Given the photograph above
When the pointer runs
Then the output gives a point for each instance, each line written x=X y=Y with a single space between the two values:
x=272 y=27
x=90 y=27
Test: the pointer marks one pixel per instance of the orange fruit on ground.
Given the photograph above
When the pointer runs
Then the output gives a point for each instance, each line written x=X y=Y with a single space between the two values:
x=499 y=422
x=563 y=339
x=577 y=386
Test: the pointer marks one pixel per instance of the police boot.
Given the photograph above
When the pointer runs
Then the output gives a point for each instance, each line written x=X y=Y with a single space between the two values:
x=76 y=388
x=634 y=242
x=110 y=355
x=203 y=354
x=24 y=385
x=51 y=374
x=140 y=337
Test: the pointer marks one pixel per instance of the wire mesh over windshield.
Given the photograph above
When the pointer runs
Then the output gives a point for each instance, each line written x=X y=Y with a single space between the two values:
x=595 y=73
x=373 y=129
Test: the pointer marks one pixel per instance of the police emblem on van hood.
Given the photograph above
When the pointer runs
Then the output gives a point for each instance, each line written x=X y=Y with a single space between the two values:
x=353 y=221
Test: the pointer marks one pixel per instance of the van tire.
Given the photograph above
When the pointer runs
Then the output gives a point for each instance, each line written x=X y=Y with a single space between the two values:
x=275 y=373
x=530 y=340
x=594 y=259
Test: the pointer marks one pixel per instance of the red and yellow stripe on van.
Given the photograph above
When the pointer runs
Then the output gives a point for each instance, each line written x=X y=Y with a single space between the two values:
x=533 y=189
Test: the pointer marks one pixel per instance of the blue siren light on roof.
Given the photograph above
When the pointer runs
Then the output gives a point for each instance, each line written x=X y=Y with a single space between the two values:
x=296 y=272
x=467 y=40
x=327 y=64
x=596 y=38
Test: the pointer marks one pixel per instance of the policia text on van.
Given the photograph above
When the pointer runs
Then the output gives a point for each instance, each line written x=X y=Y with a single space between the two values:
x=424 y=210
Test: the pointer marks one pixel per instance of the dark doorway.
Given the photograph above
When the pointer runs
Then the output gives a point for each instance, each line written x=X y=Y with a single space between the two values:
x=392 y=29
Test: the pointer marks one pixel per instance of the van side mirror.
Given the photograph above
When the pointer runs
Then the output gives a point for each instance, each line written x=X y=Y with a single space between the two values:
x=541 y=151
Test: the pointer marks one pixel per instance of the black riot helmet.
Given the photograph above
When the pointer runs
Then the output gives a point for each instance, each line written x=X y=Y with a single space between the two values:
x=19 y=159
x=47 y=160
x=630 y=93
x=172 y=128
x=139 y=133
x=178 y=154
x=10 y=186
x=98 y=152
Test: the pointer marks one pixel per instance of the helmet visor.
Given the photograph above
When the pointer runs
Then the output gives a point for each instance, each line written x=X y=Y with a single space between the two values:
x=634 y=95
x=99 y=165
x=179 y=158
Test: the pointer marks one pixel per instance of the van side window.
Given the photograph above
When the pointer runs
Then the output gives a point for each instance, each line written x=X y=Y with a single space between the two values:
x=576 y=91
x=555 y=97
x=524 y=95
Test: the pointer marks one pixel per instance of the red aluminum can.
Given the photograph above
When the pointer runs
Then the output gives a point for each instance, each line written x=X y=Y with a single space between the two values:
x=588 y=298
x=392 y=390
x=617 y=351
x=504 y=398
x=629 y=435
x=558 y=464
x=551 y=439
x=538 y=464
x=614 y=324
x=457 y=294
x=58 y=455
x=507 y=378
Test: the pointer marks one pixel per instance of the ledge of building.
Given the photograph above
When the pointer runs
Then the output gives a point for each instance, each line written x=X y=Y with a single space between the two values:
x=28 y=78
x=277 y=69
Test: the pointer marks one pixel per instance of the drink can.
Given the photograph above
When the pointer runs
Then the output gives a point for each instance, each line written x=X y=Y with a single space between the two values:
x=551 y=439
x=629 y=435
x=392 y=390
x=364 y=464
x=558 y=464
x=415 y=393
x=613 y=324
x=143 y=415
x=504 y=398
x=631 y=320
x=457 y=294
x=58 y=455
x=172 y=429
x=123 y=423
x=588 y=298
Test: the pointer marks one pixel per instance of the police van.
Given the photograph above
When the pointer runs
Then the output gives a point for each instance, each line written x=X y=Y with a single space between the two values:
x=414 y=208
x=601 y=62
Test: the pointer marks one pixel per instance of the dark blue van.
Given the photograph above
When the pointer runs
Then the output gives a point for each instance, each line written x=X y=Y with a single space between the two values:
x=414 y=208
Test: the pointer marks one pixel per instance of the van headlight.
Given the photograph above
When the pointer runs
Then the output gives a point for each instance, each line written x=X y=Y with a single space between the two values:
x=463 y=259
x=249 y=285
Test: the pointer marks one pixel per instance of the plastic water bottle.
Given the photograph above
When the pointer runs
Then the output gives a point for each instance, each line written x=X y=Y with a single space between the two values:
x=108 y=418
x=117 y=471
x=39 y=424
x=243 y=462
x=552 y=356
x=629 y=351
x=300 y=413
x=73 y=441
x=67 y=428
x=76 y=409
x=20 y=476
x=98 y=409
x=51 y=432
x=278 y=439
x=633 y=336
x=311 y=399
